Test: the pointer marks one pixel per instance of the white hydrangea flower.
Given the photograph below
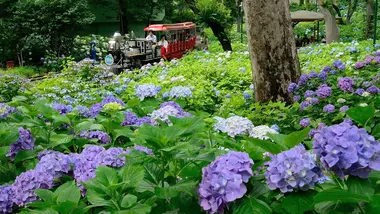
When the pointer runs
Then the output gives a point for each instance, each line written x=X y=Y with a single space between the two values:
x=363 y=104
x=341 y=100
x=179 y=78
x=261 y=132
x=234 y=125
x=164 y=113
x=180 y=92
x=366 y=94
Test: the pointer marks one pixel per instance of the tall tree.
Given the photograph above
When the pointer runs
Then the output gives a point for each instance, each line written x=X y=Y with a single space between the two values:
x=332 y=32
x=272 y=49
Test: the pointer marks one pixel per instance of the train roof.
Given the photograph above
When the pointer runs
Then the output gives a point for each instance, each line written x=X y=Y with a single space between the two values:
x=166 y=27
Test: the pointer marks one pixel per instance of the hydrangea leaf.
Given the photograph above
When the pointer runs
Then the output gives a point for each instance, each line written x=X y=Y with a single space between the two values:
x=132 y=176
x=69 y=193
x=24 y=155
x=376 y=131
x=128 y=200
x=123 y=131
x=266 y=145
x=85 y=125
x=172 y=191
x=336 y=195
x=59 y=119
x=45 y=194
x=252 y=206
x=106 y=175
x=361 y=114
x=296 y=138
x=8 y=134
x=298 y=203
x=61 y=139
x=360 y=186
x=65 y=207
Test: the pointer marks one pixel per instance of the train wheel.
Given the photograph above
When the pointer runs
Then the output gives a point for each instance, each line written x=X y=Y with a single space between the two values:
x=137 y=63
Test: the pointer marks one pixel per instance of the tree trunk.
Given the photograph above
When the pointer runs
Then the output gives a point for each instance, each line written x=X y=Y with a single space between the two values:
x=220 y=33
x=369 y=32
x=238 y=17
x=336 y=8
x=272 y=49
x=123 y=18
x=352 y=4
x=332 y=32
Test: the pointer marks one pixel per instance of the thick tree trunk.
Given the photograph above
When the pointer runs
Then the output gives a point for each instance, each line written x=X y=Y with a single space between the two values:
x=352 y=4
x=220 y=33
x=332 y=32
x=272 y=49
x=369 y=31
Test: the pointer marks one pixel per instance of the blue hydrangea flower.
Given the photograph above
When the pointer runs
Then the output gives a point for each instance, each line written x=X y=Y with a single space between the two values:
x=324 y=91
x=329 y=108
x=146 y=90
x=165 y=94
x=296 y=98
x=168 y=109
x=347 y=150
x=180 y=92
x=103 y=137
x=292 y=87
x=303 y=79
x=343 y=108
x=131 y=119
x=322 y=75
x=141 y=149
x=54 y=163
x=275 y=127
x=6 y=110
x=373 y=90
x=112 y=157
x=359 y=91
x=346 y=83
x=25 y=141
x=6 y=202
x=313 y=74
x=247 y=95
x=292 y=169
x=63 y=109
x=83 y=110
x=309 y=93
x=223 y=181
x=305 y=122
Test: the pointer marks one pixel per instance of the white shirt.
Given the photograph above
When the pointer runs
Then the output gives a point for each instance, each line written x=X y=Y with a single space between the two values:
x=163 y=43
x=152 y=38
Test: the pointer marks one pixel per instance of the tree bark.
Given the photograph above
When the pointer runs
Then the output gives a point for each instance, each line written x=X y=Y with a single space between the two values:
x=220 y=33
x=369 y=31
x=336 y=8
x=272 y=47
x=352 y=5
x=238 y=17
x=332 y=32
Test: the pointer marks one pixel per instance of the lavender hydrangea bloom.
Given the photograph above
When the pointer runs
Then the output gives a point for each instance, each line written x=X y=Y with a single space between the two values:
x=292 y=87
x=111 y=99
x=305 y=122
x=309 y=93
x=296 y=98
x=346 y=149
x=180 y=92
x=27 y=182
x=304 y=104
x=292 y=169
x=146 y=90
x=6 y=110
x=343 y=109
x=95 y=110
x=323 y=75
x=313 y=74
x=359 y=65
x=314 y=101
x=168 y=109
x=366 y=84
x=275 y=127
x=223 y=181
x=260 y=132
x=63 y=109
x=327 y=68
x=54 y=163
x=234 y=126
x=303 y=79
x=337 y=63
x=329 y=108
x=25 y=141
x=112 y=157
x=103 y=137
x=143 y=149
x=6 y=202
x=373 y=90
x=359 y=91
x=324 y=91
x=83 y=110
x=86 y=163
x=346 y=83
x=247 y=95
x=131 y=119
x=315 y=131
x=369 y=59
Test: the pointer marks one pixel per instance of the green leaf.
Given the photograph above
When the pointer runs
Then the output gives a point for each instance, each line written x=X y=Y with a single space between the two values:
x=133 y=102
x=45 y=194
x=252 y=206
x=376 y=131
x=83 y=126
x=98 y=200
x=70 y=193
x=19 y=98
x=61 y=119
x=360 y=186
x=8 y=134
x=4 y=150
x=128 y=201
x=65 y=207
x=106 y=175
x=60 y=139
x=24 y=155
x=298 y=203
x=123 y=131
x=278 y=138
x=270 y=147
x=259 y=188
x=295 y=138
x=98 y=127
x=374 y=205
x=172 y=191
x=336 y=195
x=132 y=176
x=361 y=114
x=138 y=209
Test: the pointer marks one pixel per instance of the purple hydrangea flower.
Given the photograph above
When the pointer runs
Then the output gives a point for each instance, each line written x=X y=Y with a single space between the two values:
x=83 y=110
x=303 y=79
x=327 y=68
x=309 y=93
x=168 y=109
x=247 y=95
x=369 y=59
x=323 y=75
x=304 y=104
x=146 y=90
x=359 y=91
x=95 y=110
x=329 y=108
x=337 y=63
x=143 y=149
x=313 y=74
x=333 y=72
x=102 y=137
x=25 y=141
x=27 y=182
x=63 y=109
x=6 y=202
x=275 y=127
x=112 y=157
x=131 y=119
x=317 y=130
x=373 y=90
x=296 y=98
x=54 y=163
x=345 y=149
x=346 y=83
x=314 y=101
x=6 y=110
x=292 y=87
x=366 y=84
x=324 y=91
x=223 y=181
x=343 y=108
x=292 y=169
x=305 y=122
x=111 y=99
x=359 y=65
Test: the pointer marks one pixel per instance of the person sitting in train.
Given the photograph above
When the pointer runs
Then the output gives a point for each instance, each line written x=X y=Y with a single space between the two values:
x=163 y=42
x=151 y=37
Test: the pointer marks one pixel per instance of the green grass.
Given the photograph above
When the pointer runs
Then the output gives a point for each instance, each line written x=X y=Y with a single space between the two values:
x=25 y=71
